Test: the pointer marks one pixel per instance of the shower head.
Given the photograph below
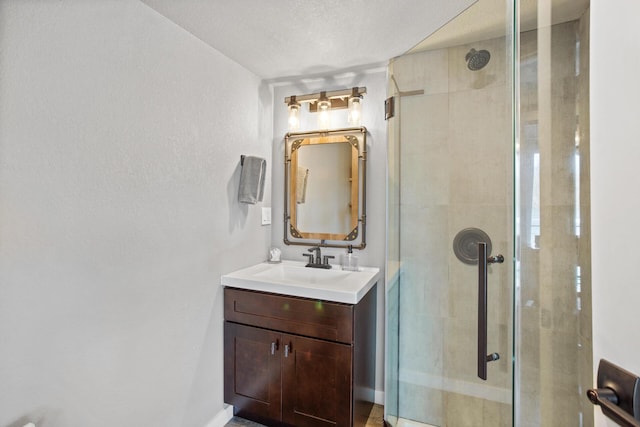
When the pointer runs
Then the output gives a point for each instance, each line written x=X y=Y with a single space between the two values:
x=477 y=59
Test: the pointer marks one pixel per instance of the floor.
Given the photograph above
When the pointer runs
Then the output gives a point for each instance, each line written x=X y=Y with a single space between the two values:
x=375 y=419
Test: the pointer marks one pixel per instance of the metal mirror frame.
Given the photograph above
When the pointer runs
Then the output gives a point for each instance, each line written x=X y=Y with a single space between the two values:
x=356 y=238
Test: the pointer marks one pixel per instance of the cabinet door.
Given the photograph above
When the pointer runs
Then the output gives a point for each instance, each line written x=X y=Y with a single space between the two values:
x=316 y=382
x=252 y=381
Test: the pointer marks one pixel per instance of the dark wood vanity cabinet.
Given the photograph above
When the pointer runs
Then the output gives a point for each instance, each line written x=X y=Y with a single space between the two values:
x=301 y=384
x=293 y=361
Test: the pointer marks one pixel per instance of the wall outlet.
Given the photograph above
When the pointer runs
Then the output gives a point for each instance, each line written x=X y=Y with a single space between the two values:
x=266 y=216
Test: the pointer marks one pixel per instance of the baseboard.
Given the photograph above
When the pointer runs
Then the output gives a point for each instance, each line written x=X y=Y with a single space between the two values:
x=221 y=417
x=225 y=415
x=378 y=397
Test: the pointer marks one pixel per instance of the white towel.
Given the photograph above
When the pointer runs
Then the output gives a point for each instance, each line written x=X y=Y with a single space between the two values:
x=301 y=184
x=252 y=179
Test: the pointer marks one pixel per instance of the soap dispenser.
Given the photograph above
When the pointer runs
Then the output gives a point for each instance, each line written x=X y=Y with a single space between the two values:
x=350 y=260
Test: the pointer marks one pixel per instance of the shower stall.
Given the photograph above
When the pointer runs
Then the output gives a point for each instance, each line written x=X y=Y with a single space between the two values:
x=488 y=290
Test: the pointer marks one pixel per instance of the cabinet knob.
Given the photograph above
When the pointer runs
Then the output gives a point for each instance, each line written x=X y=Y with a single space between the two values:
x=274 y=347
x=287 y=349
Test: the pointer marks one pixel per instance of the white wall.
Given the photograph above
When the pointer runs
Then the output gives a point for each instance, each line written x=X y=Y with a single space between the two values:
x=120 y=140
x=375 y=80
x=615 y=198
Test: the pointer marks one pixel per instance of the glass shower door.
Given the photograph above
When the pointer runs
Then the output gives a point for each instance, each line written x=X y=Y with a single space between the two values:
x=450 y=196
x=490 y=142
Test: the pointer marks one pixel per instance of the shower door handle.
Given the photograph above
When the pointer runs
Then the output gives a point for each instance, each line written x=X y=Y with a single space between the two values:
x=483 y=261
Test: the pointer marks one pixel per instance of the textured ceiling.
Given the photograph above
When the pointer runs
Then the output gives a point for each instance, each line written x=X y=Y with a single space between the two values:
x=278 y=39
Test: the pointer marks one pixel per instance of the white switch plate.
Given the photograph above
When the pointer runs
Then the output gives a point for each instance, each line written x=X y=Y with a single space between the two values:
x=266 y=216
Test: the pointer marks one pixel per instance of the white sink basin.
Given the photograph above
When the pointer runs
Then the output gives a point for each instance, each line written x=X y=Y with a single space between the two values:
x=293 y=278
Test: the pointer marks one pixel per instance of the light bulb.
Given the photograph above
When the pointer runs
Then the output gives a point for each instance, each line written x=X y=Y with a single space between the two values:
x=355 y=111
x=324 y=111
x=294 y=116
x=324 y=114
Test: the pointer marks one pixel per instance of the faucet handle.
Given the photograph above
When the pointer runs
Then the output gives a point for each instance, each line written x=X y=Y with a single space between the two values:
x=325 y=259
x=309 y=258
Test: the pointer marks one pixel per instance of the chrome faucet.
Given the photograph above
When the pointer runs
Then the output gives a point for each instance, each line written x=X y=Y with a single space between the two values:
x=318 y=261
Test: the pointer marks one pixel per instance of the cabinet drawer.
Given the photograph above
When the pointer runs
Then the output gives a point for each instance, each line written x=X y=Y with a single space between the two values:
x=319 y=319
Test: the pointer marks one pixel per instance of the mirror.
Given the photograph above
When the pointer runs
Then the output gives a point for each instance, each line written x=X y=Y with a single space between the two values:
x=324 y=188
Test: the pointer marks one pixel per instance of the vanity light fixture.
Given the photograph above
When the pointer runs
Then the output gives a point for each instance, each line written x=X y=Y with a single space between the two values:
x=294 y=114
x=323 y=103
x=324 y=111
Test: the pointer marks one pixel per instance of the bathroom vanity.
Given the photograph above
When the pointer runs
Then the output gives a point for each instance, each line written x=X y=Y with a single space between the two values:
x=296 y=360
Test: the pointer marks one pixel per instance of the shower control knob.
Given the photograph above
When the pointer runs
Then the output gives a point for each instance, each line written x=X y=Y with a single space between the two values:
x=498 y=259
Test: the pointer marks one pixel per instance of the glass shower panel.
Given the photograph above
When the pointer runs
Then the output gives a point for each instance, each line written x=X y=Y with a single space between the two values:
x=392 y=279
x=553 y=309
x=450 y=186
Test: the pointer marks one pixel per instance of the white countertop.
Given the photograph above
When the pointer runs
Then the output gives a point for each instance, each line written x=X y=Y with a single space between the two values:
x=293 y=278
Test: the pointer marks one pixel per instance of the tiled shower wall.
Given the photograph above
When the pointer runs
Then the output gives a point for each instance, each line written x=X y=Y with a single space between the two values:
x=453 y=169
